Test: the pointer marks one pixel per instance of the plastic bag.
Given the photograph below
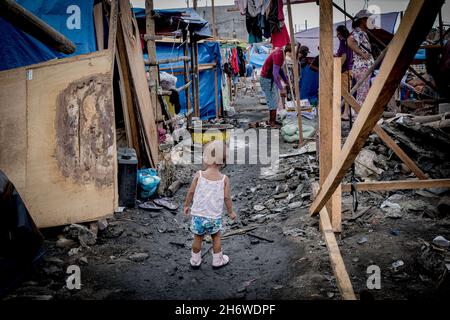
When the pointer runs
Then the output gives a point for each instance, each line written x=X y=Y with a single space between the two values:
x=291 y=139
x=167 y=81
x=289 y=129
x=148 y=182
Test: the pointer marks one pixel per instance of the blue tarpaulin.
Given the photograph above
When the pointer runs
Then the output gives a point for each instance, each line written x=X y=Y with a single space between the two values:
x=208 y=52
x=175 y=20
x=309 y=84
x=72 y=18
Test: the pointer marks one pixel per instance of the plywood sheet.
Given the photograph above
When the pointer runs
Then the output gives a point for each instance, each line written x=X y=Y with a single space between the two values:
x=13 y=115
x=71 y=154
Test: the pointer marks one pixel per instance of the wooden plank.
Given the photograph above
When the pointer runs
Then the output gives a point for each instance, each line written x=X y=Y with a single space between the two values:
x=113 y=21
x=337 y=263
x=151 y=50
x=71 y=156
x=13 y=126
x=99 y=27
x=387 y=140
x=216 y=92
x=139 y=80
x=25 y=20
x=168 y=60
x=296 y=75
x=186 y=71
x=127 y=97
x=336 y=198
x=398 y=185
x=326 y=93
x=418 y=20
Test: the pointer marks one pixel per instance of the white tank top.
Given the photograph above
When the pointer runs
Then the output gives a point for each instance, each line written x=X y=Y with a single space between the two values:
x=208 y=198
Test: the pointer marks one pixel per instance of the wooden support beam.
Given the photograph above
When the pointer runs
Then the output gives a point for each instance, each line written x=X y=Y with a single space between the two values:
x=337 y=263
x=151 y=51
x=148 y=37
x=216 y=92
x=99 y=27
x=186 y=71
x=326 y=93
x=296 y=76
x=418 y=20
x=336 y=199
x=164 y=61
x=17 y=15
x=112 y=32
x=398 y=185
x=387 y=140
x=213 y=22
x=145 y=110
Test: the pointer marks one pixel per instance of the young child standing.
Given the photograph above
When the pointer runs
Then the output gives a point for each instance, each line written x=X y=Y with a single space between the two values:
x=208 y=192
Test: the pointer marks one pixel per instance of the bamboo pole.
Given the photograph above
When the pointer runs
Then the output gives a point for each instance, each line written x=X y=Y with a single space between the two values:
x=19 y=16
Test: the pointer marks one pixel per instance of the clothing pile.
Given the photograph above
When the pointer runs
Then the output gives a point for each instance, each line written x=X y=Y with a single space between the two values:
x=265 y=18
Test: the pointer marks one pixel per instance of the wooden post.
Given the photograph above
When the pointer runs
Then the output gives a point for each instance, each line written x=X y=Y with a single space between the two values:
x=193 y=73
x=336 y=199
x=337 y=263
x=186 y=71
x=296 y=77
x=151 y=50
x=326 y=93
x=22 y=18
x=99 y=28
x=418 y=20
x=213 y=14
x=216 y=91
x=195 y=76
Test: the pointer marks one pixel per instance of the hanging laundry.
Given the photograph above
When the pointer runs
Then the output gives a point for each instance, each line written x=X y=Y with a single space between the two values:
x=253 y=28
x=241 y=59
x=234 y=61
x=242 y=5
x=279 y=34
x=272 y=17
x=280 y=39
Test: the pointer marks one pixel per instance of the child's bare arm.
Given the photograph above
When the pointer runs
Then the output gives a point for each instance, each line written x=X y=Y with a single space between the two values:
x=190 y=194
x=228 y=201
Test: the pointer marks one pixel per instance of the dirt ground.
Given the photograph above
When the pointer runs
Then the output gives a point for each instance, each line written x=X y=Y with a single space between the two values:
x=293 y=264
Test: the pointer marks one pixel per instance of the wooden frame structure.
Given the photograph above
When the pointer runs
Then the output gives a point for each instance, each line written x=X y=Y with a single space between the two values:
x=334 y=160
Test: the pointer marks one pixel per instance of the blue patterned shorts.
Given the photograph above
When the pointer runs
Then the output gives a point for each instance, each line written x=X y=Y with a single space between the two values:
x=202 y=225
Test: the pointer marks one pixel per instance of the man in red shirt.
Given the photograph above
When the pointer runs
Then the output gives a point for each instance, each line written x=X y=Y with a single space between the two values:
x=271 y=75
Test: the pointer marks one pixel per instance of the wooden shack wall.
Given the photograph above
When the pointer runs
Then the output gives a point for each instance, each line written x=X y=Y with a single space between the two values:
x=57 y=138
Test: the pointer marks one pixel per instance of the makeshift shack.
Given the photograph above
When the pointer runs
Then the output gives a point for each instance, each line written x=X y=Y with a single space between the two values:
x=65 y=89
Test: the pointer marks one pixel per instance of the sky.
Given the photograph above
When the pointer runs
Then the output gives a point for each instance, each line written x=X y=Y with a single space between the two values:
x=308 y=12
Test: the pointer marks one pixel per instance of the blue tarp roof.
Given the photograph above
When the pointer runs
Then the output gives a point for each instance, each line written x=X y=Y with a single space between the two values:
x=174 y=20
x=72 y=18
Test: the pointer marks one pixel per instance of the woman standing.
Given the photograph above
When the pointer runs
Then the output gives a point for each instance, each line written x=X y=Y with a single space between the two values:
x=358 y=41
x=347 y=64
x=271 y=75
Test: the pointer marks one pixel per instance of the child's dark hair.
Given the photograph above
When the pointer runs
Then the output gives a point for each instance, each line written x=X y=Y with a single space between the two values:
x=342 y=29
